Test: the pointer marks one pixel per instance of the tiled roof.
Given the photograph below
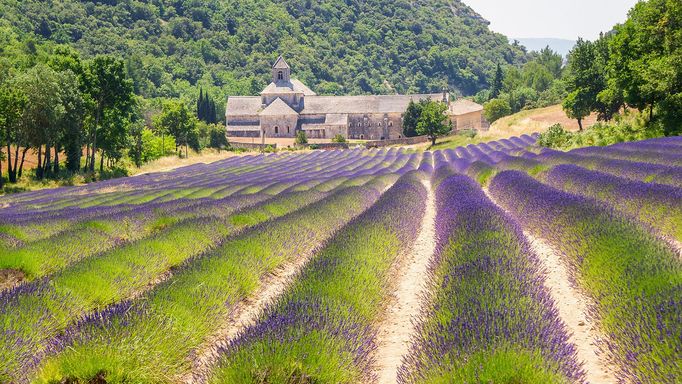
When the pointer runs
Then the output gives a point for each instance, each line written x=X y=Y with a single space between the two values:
x=341 y=105
x=280 y=63
x=464 y=106
x=315 y=105
x=278 y=108
x=294 y=86
x=243 y=106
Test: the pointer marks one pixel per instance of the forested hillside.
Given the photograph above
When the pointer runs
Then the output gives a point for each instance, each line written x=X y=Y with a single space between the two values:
x=336 y=46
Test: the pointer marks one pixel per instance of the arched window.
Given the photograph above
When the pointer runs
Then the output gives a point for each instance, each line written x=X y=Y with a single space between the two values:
x=362 y=137
x=390 y=123
x=276 y=129
x=400 y=136
x=288 y=130
x=280 y=75
x=359 y=124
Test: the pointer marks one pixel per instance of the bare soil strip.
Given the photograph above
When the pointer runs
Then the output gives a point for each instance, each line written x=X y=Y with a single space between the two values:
x=245 y=314
x=573 y=307
x=397 y=326
x=10 y=278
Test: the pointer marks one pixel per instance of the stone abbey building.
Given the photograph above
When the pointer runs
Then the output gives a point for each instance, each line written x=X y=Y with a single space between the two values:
x=286 y=106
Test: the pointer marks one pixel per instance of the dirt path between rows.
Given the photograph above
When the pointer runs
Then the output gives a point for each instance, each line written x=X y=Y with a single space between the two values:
x=573 y=306
x=573 y=309
x=397 y=327
x=245 y=314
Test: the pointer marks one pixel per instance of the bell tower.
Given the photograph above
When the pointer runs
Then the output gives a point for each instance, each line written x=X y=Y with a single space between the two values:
x=281 y=72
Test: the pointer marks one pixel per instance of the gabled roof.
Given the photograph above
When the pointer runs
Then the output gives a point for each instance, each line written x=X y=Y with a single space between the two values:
x=294 y=86
x=280 y=63
x=362 y=104
x=277 y=108
x=243 y=106
x=464 y=106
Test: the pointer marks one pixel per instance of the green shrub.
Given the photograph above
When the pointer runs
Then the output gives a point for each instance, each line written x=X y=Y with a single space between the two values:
x=555 y=137
x=496 y=109
x=339 y=139
x=301 y=138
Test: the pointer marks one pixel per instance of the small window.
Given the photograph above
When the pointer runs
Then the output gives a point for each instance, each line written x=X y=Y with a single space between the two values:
x=359 y=125
x=288 y=130
x=379 y=124
x=400 y=136
x=390 y=123
x=362 y=137
x=276 y=129
x=280 y=75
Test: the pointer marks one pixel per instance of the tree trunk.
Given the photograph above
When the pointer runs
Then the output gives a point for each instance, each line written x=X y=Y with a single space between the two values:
x=651 y=113
x=48 y=161
x=87 y=156
x=580 y=124
x=13 y=170
x=101 y=162
x=9 y=164
x=94 y=137
x=55 y=169
x=21 y=166
x=39 y=170
x=433 y=140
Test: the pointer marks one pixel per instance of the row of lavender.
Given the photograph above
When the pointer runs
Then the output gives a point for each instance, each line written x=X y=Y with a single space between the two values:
x=32 y=315
x=143 y=220
x=489 y=317
x=609 y=212
x=154 y=338
x=186 y=181
x=324 y=328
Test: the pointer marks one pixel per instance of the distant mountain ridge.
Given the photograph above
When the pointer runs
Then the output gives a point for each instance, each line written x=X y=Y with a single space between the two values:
x=561 y=46
x=337 y=46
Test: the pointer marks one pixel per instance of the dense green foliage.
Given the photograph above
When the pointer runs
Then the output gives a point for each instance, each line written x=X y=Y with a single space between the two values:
x=537 y=83
x=638 y=65
x=335 y=46
x=627 y=128
x=433 y=121
x=496 y=109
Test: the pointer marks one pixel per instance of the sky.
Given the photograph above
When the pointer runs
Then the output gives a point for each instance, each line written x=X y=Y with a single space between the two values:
x=565 y=19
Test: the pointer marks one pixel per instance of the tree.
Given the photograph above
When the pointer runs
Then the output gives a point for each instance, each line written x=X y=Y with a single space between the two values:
x=72 y=122
x=577 y=105
x=176 y=120
x=432 y=121
x=112 y=95
x=12 y=103
x=40 y=121
x=496 y=109
x=411 y=118
x=646 y=61
x=496 y=88
x=218 y=137
x=338 y=139
x=584 y=82
x=301 y=138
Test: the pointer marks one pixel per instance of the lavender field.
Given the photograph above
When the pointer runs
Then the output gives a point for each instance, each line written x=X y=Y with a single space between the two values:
x=501 y=262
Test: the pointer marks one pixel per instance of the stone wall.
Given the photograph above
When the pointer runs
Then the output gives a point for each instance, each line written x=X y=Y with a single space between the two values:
x=401 y=141
x=375 y=126
x=470 y=120
x=279 y=126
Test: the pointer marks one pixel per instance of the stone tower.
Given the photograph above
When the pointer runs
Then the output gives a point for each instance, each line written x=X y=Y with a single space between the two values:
x=281 y=72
